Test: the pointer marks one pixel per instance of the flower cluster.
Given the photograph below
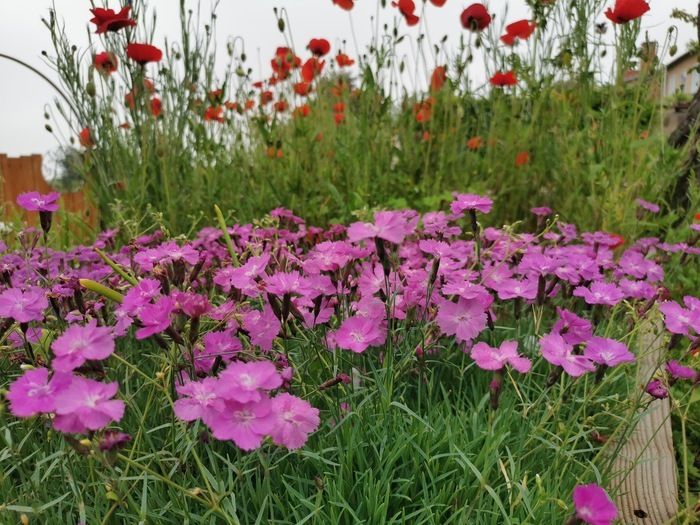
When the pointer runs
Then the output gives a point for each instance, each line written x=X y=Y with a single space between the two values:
x=228 y=307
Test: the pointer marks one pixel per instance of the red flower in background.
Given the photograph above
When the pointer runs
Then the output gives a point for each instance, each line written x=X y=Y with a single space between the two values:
x=105 y=63
x=407 y=9
x=214 y=113
x=281 y=106
x=475 y=17
x=522 y=158
x=156 y=107
x=501 y=79
x=285 y=60
x=475 y=143
x=143 y=53
x=266 y=97
x=521 y=29
x=311 y=68
x=339 y=118
x=345 y=4
x=85 y=138
x=422 y=110
x=438 y=3
x=339 y=107
x=108 y=20
x=626 y=11
x=302 y=111
x=343 y=60
x=319 y=46
x=302 y=88
x=438 y=78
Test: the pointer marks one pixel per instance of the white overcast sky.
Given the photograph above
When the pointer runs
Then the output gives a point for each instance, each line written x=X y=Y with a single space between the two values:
x=23 y=95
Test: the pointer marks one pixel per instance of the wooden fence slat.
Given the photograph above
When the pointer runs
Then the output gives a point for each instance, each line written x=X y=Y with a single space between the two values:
x=648 y=494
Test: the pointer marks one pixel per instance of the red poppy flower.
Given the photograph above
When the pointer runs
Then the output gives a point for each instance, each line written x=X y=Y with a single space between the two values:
x=319 y=46
x=143 y=53
x=475 y=17
x=302 y=88
x=521 y=29
x=475 y=143
x=343 y=60
x=626 y=11
x=501 y=79
x=339 y=107
x=438 y=78
x=422 y=111
x=214 y=114
x=156 y=107
x=522 y=158
x=249 y=104
x=697 y=216
x=407 y=9
x=284 y=61
x=339 y=118
x=266 y=97
x=108 y=20
x=302 y=111
x=281 y=106
x=438 y=3
x=311 y=68
x=85 y=138
x=345 y=4
x=105 y=63
x=233 y=106
x=426 y=136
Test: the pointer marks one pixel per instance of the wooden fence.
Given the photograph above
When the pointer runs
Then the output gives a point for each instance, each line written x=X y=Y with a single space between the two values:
x=21 y=174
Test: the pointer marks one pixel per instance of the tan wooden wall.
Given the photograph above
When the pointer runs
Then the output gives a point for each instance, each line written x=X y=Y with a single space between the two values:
x=21 y=174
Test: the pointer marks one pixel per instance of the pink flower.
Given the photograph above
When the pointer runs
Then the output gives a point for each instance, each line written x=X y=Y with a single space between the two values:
x=87 y=405
x=468 y=201
x=294 y=420
x=593 y=505
x=512 y=288
x=246 y=424
x=34 y=393
x=262 y=327
x=649 y=206
x=82 y=343
x=34 y=201
x=574 y=329
x=656 y=389
x=541 y=211
x=392 y=226
x=679 y=320
x=283 y=283
x=600 y=293
x=139 y=296
x=464 y=319
x=557 y=352
x=155 y=317
x=607 y=352
x=244 y=382
x=244 y=276
x=358 y=333
x=25 y=306
x=197 y=399
x=678 y=371
x=489 y=358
